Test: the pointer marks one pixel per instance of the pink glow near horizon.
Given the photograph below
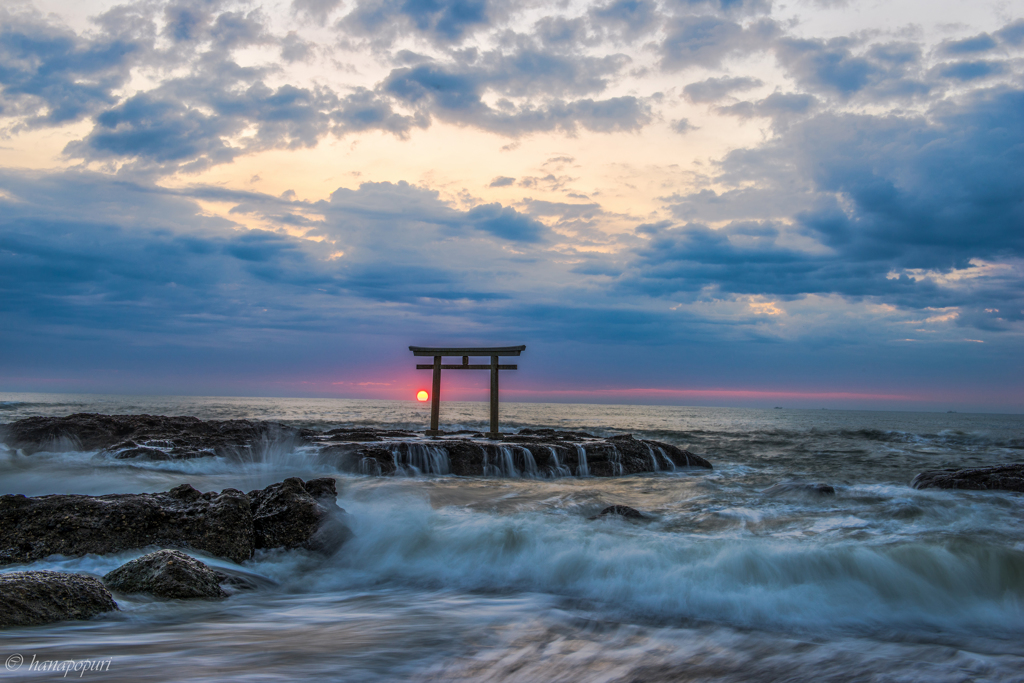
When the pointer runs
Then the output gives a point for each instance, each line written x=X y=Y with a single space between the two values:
x=400 y=390
x=721 y=393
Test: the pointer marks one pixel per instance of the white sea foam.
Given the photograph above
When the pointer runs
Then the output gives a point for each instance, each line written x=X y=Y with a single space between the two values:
x=759 y=583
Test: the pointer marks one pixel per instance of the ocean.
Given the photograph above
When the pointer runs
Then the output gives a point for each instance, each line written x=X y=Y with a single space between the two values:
x=740 y=573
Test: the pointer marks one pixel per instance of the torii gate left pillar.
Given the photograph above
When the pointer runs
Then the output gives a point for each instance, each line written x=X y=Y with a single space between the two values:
x=494 y=352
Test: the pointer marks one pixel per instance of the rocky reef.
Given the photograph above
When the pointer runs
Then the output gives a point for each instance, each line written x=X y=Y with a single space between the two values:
x=998 y=478
x=43 y=597
x=297 y=514
x=538 y=453
x=166 y=574
x=228 y=524
x=145 y=436
x=523 y=454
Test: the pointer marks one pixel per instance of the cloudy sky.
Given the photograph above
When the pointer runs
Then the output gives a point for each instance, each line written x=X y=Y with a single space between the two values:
x=814 y=203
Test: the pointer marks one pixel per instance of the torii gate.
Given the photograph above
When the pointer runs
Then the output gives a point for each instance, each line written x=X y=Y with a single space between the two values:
x=435 y=394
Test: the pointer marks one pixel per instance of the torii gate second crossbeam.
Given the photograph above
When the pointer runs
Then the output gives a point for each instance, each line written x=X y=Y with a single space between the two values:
x=439 y=352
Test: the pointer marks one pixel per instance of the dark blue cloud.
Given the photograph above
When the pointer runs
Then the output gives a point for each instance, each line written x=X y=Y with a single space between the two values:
x=189 y=123
x=705 y=40
x=882 y=196
x=456 y=94
x=1012 y=34
x=782 y=108
x=562 y=33
x=628 y=19
x=367 y=110
x=219 y=109
x=238 y=29
x=682 y=126
x=505 y=222
x=50 y=76
x=446 y=18
x=982 y=42
x=714 y=89
x=295 y=49
x=120 y=256
x=881 y=72
x=970 y=71
x=733 y=7
x=440 y=20
x=563 y=210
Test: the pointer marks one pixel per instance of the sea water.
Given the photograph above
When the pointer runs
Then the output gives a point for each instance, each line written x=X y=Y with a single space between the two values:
x=740 y=573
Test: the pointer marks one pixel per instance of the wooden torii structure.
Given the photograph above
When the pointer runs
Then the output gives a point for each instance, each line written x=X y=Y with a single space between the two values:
x=439 y=352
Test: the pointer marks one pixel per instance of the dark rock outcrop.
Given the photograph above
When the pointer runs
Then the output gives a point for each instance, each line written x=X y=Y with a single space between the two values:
x=621 y=511
x=74 y=525
x=142 y=453
x=349 y=434
x=531 y=452
x=167 y=574
x=998 y=478
x=297 y=514
x=43 y=597
x=543 y=453
x=785 y=487
x=229 y=524
x=147 y=436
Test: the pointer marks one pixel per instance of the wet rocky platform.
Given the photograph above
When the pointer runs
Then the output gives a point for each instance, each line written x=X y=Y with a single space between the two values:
x=529 y=452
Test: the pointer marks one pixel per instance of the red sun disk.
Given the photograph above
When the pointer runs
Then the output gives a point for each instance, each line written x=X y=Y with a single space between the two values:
x=422 y=396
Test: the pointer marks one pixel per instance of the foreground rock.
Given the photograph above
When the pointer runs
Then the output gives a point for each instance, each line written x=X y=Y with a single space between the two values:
x=297 y=514
x=167 y=574
x=999 y=478
x=73 y=525
x=43 y=597
x=147 y=436
x=222 y=524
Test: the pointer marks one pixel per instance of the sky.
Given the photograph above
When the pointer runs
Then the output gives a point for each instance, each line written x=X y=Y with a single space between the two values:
x=815 y=203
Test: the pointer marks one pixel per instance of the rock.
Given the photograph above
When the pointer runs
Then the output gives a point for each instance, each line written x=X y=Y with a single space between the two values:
x=544 y=453
x=140 y=435
x=43 y=597
x=785 y=487
x=142 y=453
x=166 y=574
x=350 y=434
x=998 y=478
x=555 y=434
x=228 y=524
x=376 y=461
x=297 y=514
x=622 y=511
x=74 y=525
x=237 y=580
x=541 y=452
x=324 y=487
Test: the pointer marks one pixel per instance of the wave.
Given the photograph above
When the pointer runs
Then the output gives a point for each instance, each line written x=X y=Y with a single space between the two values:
x=20 y=405
x=955 y=585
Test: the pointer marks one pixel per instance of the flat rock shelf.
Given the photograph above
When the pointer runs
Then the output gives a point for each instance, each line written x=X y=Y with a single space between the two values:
x=375 y=452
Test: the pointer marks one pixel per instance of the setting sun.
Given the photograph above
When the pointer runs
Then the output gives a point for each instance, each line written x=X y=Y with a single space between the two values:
x=422 y=395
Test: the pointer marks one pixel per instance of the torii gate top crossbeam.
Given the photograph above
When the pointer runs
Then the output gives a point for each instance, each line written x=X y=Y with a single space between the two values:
x=467 y=351
x=439 y=352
